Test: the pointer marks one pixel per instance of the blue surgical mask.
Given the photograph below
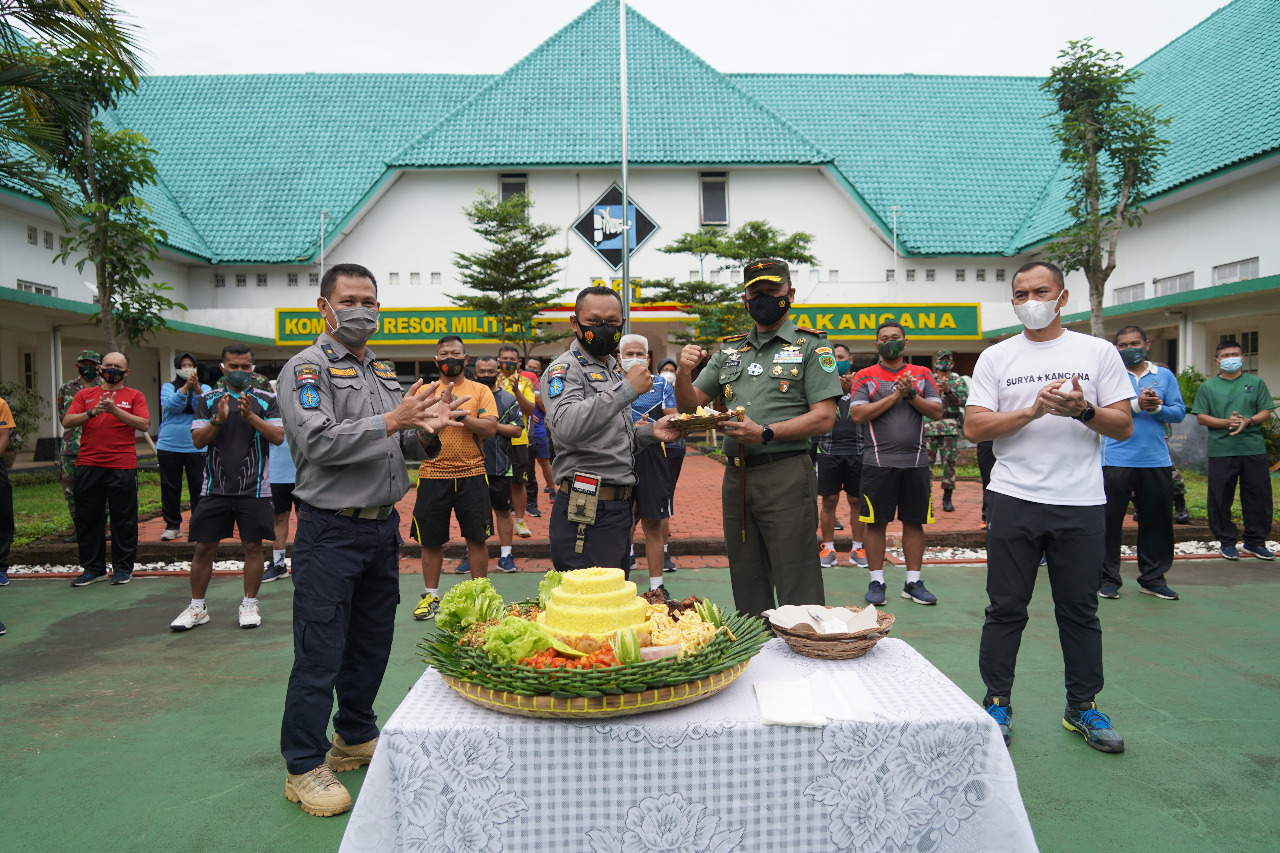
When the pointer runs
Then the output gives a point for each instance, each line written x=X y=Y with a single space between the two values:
x=842 y=365
x=1232 y=364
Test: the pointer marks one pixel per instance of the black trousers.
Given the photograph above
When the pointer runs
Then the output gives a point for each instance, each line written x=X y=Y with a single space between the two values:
x=986 y=461
x=1255 y=497
x=1152 y=493
x=346 y=586
x=1071 y=537
x=607 y=543
x=6 y=517
x=97 y=489
x=172 y=466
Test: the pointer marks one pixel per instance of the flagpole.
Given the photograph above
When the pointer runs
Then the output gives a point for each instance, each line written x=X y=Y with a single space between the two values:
x=626 y=213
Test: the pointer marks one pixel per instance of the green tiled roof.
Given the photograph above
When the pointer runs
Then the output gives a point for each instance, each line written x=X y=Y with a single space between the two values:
x=560 y=105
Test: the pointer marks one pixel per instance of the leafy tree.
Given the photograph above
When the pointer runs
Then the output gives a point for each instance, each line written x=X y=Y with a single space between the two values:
x=1112 y=148
x=703 y=243
x=759 y=239
x=718 y=307
x=513 y=281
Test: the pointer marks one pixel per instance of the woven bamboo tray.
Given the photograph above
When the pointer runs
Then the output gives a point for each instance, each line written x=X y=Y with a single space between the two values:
x=837 y=646
x=698 y=423
x=595 y=707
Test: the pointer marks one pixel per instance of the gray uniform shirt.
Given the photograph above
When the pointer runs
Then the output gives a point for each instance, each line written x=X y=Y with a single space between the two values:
x=588 y=418
x=333 y=407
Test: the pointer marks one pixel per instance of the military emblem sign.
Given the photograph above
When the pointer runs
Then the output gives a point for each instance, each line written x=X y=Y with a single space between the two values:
x=601 y=226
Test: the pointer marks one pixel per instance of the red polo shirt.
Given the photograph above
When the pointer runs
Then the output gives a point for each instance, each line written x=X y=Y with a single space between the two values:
x=106 y=441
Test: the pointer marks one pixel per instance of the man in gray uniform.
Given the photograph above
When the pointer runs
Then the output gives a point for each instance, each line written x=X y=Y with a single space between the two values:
x=587 y=398
x=349 y=430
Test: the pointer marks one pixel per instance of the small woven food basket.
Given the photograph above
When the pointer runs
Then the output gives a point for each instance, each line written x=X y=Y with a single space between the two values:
x=836 y=646
x=697 y=423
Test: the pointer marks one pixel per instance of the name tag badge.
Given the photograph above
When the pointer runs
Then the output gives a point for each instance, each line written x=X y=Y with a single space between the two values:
x=346 y=372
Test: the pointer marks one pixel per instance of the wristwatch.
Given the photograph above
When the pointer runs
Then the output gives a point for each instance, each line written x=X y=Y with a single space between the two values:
x=1087 y=415
x=766 y=435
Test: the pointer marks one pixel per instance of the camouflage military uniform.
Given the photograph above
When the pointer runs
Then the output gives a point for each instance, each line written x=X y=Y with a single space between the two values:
x=942 y=434
x=71 y=437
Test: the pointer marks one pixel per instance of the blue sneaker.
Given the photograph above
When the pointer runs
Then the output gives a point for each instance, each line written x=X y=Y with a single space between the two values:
x=1259 y=551
x=507 y=564
x=87 y=578
x=668 y=564
x=532 y=511
x=1044 y=560
x=1094 y=726
x=1109 y=590
x=2 y=628
x=875 y=593
x=917 y=593
x=275 y=571
x=998 y=708
x=118 y=577
x=1161 y=591
x=464 y=567
x=4 y=577
x=1228 y=551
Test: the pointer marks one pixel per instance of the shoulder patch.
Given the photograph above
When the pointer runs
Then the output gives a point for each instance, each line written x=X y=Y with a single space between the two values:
x=308 y=397
x=733 y=338
x=821 y=350
x=813 y=332
x=828 y=362
x=342 y=371
x=556 y=386
x=384 y=369
x=330 y=352
x=304 y=374
x=558 y=369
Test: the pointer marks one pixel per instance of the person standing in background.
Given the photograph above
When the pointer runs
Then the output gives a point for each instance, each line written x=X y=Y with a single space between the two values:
x=87 y=367
x=6 y=494
x=840 y=470
x=511 y=381
x=676 y=451
x=539 y=441
x=497 y=458
x=653 y=475
x=174 y=450
x=944 y=433
x=282 y=472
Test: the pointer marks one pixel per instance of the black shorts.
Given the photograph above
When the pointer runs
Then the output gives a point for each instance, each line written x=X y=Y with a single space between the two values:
x=653 y=484
x=904 y=490
x=838 y=474
x=282 y=499
x=466 y=497
x=500 y=493
x=541 y=445
x=521 y=464
x=216 y=517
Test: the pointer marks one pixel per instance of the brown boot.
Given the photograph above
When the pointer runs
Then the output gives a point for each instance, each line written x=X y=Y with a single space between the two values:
x=345 y=756
x=318 y=791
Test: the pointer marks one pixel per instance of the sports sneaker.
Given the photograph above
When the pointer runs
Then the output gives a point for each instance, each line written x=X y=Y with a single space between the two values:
x=827 y=558
x=318 y=791
x=662 y=588
x=858 y=558
x=532 y=511
x=668 y=564
x=1228 y=551
x=87 y=578
x=428 y=607
x=170 y=533
x=345 y=756
x=522 y=529
x=2 y=628
x=1259 y=551
x=463 y=567
x=275 y=571
x=1044 y=559
x=507 y=564
x=4 y=577
x=1159 y=592
x=1094 y=726
x=998 y=708
x=915 y=591
x=249 y=616
x=190 y=618
x=1109 y=590
x=839 y=526
x=118 y=577
x=875 y=593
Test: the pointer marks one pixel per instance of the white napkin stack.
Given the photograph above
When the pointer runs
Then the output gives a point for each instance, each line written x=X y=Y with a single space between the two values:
x=814 y=701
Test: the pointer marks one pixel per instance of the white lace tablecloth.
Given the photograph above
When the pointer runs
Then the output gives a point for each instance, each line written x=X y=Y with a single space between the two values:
x=930 y=774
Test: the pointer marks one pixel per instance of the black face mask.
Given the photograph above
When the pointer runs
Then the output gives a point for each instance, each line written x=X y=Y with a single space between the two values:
x=487 y=380
x=507 y=366
x=89 y=373
x=112 y=375
x=600 y=340
x=451 y=366
x=767 y=309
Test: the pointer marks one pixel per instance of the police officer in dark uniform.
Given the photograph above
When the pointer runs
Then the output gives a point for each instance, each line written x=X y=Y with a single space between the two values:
x=587 y=397
x=785 y=377
x=350 y=430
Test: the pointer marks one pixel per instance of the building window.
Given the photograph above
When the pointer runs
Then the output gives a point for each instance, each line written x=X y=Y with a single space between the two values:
x=262 y=279
x=393 y=278
x=242 y=279
x=435 y=279
x=33 y=235
x=1239 y=271
x=813 y=276
x=29 y=370
x=313 y=279
x=64 y=244
x=1175 y=284
x=714 y=198
x=33 y=287
x=1000 y=275
x=219 y=280
x=888 y=275
x=1131 y=293
x=415 y=279
x=911 y=275
x=1248 y=342
x=48 y=239
x=833 y=275
x=293 y=279
x=979 y=275
x=509 y=185
x=930 y=275
x=959 y=275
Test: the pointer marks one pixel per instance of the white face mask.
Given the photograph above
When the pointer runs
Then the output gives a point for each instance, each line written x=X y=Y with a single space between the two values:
x=1036 y=315
x=670 y=375
x=628 y=363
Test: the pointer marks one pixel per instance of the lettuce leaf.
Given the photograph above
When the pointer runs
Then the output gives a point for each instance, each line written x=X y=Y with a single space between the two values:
x=514 y=639
x=467 y=603
x=549 y=582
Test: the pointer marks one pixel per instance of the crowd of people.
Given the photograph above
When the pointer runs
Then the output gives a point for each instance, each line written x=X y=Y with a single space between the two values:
x=1070 y=430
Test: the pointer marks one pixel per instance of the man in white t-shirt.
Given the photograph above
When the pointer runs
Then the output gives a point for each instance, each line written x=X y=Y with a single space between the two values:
x=1046 y=397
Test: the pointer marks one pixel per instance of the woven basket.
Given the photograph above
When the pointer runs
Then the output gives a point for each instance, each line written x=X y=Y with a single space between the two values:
x=595 y=707
x=698 y=423
x=837 y=646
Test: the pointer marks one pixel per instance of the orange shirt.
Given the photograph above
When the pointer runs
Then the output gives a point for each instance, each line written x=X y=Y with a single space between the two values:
x=461 y=450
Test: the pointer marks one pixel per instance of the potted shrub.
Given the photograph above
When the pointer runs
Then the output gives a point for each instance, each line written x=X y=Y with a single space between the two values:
x=27 y=407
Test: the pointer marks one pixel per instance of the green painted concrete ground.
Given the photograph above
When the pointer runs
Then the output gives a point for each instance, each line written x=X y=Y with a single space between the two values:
x=122 y=736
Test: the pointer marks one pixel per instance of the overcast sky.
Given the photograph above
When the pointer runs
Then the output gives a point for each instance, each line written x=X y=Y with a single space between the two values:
x=1005 y=37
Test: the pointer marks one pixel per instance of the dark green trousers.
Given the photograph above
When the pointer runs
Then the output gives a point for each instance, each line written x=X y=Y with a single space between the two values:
x=778 y=562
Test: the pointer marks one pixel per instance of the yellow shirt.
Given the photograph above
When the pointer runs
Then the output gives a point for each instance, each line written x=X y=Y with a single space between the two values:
x=6 y=416
x=526 y=389
x=461 y=450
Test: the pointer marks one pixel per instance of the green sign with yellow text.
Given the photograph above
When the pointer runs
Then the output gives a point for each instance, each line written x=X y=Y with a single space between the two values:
x=858 y=322
x=398 y=326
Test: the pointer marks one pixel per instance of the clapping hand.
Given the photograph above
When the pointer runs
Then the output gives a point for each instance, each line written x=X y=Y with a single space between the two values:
x=1148 y=400
x=904 y=386
x=245 y=404
x=1057 y=398
x=192 y=384
x=104 y=404
x=846 y=383
x=1237 y=423
x=224 y=408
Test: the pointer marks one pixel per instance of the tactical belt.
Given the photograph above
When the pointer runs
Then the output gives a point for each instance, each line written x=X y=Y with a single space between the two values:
x=607 y=493
x=767 y=458
x=369 y=513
